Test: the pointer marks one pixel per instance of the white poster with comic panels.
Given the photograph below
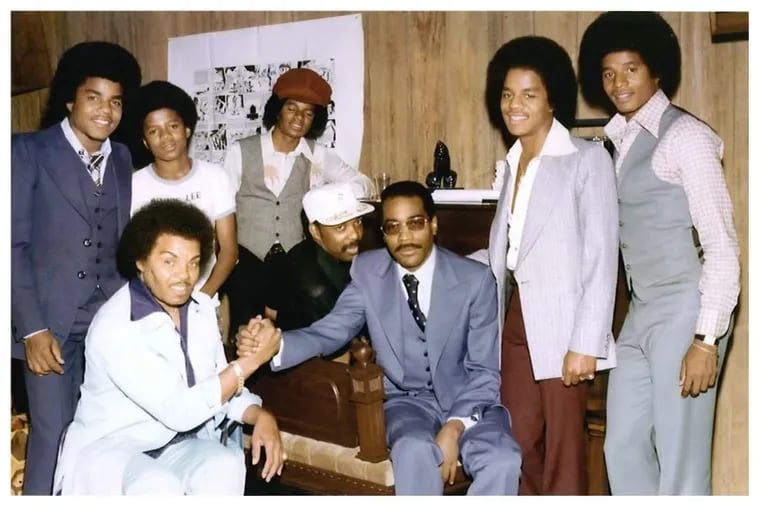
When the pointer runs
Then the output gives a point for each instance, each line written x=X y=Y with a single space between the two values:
x=230 y=76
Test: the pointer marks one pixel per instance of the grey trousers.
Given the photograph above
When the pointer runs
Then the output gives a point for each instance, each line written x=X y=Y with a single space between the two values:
x=658 y=443
x=487 y=450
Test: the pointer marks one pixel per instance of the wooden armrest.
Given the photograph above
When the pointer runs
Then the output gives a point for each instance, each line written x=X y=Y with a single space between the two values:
x=311 y=399
x=367 y=395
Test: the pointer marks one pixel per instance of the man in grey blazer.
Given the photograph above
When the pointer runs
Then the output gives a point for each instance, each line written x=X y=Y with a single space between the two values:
x=71 y=191
x=432 y=319
x=553 y=250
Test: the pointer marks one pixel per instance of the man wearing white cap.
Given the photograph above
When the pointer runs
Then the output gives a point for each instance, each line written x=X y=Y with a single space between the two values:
x=318 y=267
x=271 y=173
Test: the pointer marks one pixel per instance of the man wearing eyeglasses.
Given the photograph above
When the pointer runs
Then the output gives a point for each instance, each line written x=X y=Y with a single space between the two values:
x=432 y=319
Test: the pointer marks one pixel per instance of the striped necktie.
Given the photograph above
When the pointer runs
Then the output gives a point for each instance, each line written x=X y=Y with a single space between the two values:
x=96 y=160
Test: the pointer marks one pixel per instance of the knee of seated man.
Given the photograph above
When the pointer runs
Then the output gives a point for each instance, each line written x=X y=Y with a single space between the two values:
x=156 y=481
x=417 y=447
x=222 y=472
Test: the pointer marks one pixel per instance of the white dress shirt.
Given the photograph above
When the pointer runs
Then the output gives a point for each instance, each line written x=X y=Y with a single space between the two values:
x=557 y=143
x=326 y=166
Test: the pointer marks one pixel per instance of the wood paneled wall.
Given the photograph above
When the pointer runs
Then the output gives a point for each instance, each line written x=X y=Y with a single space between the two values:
x=424 y=81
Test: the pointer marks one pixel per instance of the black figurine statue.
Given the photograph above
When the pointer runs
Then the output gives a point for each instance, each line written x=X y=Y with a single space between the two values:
x=442 y=175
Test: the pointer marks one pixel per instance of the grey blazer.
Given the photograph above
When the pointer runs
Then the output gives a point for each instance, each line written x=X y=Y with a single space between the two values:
x=461 y=331
x=567 y=265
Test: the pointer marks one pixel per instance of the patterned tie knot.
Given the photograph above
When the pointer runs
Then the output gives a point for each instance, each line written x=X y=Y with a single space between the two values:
x=94 y=167
x=411 y=283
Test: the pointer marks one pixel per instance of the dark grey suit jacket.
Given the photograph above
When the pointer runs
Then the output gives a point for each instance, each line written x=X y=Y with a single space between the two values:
x=49 y=222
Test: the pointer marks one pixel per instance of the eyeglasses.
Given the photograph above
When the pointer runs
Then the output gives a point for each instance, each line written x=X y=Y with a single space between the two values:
x=414 y=224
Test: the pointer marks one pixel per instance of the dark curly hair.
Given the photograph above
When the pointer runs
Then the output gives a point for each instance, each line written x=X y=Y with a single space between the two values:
x=85 y=60
x=547 y=59
x=410 y=188
x=163 y=216
x=645 y=33
x=272 y=112
x=152 y=97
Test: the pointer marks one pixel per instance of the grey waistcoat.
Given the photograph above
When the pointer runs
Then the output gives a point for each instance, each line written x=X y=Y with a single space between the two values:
x=417 y=375
x=657 y=236
x=262 y=217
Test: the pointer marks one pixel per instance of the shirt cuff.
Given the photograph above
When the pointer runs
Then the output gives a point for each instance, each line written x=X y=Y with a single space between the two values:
x=276 y=361
x=712 y=322
x=34 y=333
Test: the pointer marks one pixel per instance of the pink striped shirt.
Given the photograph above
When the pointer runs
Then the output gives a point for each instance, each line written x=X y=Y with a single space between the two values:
x=690 y=155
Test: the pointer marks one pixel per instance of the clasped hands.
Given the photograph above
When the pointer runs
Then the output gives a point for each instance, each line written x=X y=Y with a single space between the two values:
x=258 y=338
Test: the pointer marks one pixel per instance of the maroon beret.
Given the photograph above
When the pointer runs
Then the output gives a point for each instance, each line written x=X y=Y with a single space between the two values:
x=303 y=85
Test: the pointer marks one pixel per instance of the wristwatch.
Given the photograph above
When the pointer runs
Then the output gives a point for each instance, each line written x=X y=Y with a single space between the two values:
x=706 y=338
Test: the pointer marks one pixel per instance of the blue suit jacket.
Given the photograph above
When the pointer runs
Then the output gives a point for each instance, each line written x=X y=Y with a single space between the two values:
x=49 y=222
x=461 y=331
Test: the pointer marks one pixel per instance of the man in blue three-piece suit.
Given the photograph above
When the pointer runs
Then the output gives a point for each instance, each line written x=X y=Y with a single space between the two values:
x=432 y=319
x=71 y=192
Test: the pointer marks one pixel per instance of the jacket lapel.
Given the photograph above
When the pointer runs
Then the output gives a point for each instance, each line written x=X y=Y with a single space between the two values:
x=550 y=180
x=388 y=302
x=446 y=302
x=123 y=180
x=61 y=162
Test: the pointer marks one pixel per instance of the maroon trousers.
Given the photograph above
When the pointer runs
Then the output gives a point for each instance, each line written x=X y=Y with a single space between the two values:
x=548 y=419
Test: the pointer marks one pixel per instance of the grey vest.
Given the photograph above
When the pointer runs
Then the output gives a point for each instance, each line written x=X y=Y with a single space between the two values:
x=657 y=236
x=417 y=376
x=101 y=244
x=262 y=217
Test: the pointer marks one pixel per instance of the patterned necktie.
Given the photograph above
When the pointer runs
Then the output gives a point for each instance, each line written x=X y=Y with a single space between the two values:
x=411 y=283
x=94 y=167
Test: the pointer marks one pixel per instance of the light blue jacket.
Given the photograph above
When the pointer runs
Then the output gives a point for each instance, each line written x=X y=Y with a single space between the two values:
x=135 y=396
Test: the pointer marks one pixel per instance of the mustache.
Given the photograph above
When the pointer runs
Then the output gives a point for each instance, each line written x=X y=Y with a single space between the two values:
x=347 y=246
x=407 y=245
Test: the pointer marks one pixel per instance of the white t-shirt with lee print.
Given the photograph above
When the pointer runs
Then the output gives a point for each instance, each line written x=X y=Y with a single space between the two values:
x=205 y=186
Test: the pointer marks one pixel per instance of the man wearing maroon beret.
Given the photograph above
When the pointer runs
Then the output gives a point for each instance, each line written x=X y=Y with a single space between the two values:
x=271 y=173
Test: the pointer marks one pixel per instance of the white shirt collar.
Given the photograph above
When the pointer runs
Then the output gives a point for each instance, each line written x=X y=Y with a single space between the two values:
x=71 y=137
x=267 y=147
x=557 y=143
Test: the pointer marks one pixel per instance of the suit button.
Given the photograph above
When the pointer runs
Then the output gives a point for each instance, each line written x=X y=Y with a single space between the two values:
x=429 y=383
x=427 y=368
x=97 y=261
x=628 y=267
x=277 y=203
x=425 y=354
x=100 y=245
x=97 y=277
x=81 y=274
x=276 y=218
x=100 y=227
x=276 y=234
x=97 y=210
x=620 y=223
x=87 y=242
x=624 y=245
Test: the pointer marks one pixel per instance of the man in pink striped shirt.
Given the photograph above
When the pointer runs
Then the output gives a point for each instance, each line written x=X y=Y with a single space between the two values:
x=680 y=254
